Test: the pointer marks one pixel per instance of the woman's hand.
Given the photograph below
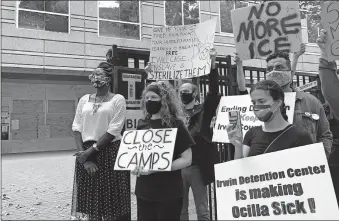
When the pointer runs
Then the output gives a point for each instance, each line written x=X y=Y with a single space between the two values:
x=321 y=41
x=140 y=171
x=302 y=50
x=236 y=59
x=234 y=135
x=82 y=156
x=90 y=167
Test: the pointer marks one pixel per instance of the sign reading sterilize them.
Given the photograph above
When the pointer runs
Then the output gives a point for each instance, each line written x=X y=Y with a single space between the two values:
x=151 y=149
x=292 y=184
x=180 y=52
x=260 y=30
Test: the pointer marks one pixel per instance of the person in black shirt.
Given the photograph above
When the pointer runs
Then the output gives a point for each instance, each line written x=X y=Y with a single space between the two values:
x=160 y=194
x=276 y=133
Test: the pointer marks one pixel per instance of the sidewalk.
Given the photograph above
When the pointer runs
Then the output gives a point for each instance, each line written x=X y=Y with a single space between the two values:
x=39 y=187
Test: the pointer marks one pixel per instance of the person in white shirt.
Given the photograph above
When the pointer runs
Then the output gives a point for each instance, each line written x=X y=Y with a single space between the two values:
x=100 y=192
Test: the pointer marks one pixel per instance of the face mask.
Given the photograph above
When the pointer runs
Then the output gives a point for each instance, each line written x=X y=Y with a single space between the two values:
x=99 y=81
x=186 y=98
x=153 y=107
x=263 y=112
x=280 y=77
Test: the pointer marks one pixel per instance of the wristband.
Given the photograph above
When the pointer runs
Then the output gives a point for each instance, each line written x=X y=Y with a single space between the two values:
x=95 y=147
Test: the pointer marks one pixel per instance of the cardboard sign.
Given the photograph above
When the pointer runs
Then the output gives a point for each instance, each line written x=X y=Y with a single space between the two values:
x=330 y=20
x=260 y=30
x=243 y=104
x=292 y=184
x=132 y=118
x=182 y=51
x=308 y=86
x=131 y=80
x=151 y=149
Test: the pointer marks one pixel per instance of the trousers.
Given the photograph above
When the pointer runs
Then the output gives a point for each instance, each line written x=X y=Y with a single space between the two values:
x=192 y=179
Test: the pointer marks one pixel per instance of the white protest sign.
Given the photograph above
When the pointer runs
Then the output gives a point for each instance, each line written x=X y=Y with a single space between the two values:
x=292 y=184
x=243 y=104
x=151 y=149
x=180 y=52
x=132 y=118
x=330 y=20
x=260 y=30
x=131 y=80
x=308 y=86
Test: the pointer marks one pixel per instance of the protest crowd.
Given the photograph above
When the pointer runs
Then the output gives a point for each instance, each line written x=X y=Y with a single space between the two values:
x=173 y=148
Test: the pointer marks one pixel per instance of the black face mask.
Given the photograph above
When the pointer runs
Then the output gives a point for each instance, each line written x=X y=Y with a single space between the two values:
x=153 y=107
x=186 y=98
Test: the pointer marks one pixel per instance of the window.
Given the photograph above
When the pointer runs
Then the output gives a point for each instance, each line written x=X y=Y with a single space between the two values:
x=44 y=15
x=182 y=12
x=310 y=11
x=119 y=19
x=225 y=14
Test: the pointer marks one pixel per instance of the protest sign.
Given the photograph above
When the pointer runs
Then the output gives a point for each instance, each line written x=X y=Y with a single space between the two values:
x=330 y=20
x=180 y=52
x=292 y=184
x=263 y=29
x=308 y=86
x=132 y=119
x=243 y=104
x=131 y=80
x=151 y=149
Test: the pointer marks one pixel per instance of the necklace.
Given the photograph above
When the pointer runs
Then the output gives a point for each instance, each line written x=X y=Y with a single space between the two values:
x=97 y=105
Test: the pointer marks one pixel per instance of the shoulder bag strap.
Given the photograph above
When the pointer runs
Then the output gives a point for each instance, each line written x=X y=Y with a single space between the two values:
x=280 y=135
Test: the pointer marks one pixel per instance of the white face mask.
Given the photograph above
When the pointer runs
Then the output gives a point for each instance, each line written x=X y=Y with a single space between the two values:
x=281 y=77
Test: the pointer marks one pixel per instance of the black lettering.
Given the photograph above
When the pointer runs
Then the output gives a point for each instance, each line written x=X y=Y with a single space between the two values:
x=260 y=48
x=272 y=24
x=166 y=135
x=154 y=159
x=251 y=48
x=278 y=46
x=276 y=208
x=235 y=212
x=129 y=123
x=135 y=137
x=284 y=26
x=165 y=158
x=142 y=160
x=126 y=136
x=119 y=161
x=247 y=32
x=254 y=11
x=156 y=134
x=264 y=32
x=134 y=160
x=271 y=4
x=143 y=137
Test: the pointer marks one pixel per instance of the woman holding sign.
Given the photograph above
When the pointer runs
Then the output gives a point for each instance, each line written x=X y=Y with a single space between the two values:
x=100 y=192
x=276 y=133
x=160 y=194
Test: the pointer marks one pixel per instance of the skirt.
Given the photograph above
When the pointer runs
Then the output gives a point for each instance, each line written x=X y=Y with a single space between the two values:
x=106 y=194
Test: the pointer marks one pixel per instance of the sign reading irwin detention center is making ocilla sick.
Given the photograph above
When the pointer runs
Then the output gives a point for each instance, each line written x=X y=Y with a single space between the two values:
x=180 y=52
x=292 y=184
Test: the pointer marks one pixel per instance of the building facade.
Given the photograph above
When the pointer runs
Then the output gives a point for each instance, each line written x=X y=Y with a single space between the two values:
x=49 y=48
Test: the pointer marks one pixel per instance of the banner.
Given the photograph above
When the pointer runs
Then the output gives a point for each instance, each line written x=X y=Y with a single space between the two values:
x=243 y=104
x=180 y=52
x=132 y=80
x=308 y=86
x=151 y=149
x=330 y=20
x=132 y=119
x=292 y=184
x=260 y=30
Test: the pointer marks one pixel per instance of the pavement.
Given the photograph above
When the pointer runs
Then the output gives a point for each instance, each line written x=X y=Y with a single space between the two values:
x=38 y=186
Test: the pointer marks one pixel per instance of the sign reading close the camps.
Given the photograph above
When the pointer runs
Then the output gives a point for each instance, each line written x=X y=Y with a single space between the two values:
x=243 y=104
x=260 y=30
x=180 y=52
x=151 y=149
x=265 y=187
x=330 y=20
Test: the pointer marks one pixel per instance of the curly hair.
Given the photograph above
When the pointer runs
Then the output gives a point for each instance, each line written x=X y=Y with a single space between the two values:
x=171 y=106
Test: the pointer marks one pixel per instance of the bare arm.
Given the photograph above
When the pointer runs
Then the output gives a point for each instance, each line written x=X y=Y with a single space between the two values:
x=184 y=161
x=240 y=74
x=295 y=58
x=241 y=150
x=78 y=141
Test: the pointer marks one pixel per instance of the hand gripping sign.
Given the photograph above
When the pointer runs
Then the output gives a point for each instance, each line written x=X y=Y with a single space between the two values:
x=292 y=184
x=263 y=29
x=151 y=149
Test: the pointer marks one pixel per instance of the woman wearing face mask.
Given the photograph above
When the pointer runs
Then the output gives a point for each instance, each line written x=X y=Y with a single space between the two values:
x=160 y=194
x=276 y=133
x=100 y=192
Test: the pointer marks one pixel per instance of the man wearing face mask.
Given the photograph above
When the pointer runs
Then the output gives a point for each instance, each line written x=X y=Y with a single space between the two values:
x=198 y=119
x=309 y=112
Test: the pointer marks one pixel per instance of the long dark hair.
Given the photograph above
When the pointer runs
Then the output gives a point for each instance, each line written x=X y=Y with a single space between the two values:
x=275 y=91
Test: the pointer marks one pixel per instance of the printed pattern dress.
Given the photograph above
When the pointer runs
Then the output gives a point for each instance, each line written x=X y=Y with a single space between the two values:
x=106 y=194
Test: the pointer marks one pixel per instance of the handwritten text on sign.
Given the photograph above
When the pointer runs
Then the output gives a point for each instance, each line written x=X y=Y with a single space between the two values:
x=267 y=187
x=182 y=51
x=243 y=104
x=151 y=149
x=260 y=30
x=330 y=19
